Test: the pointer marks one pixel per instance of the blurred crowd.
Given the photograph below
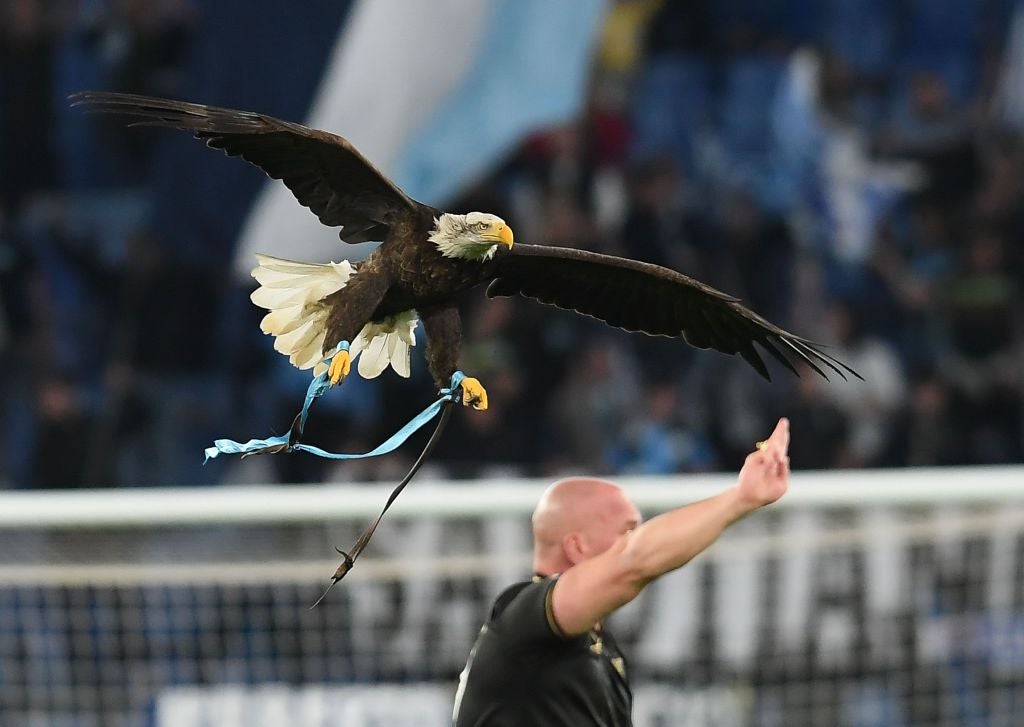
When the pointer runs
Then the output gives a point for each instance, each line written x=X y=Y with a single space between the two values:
x=851 y=169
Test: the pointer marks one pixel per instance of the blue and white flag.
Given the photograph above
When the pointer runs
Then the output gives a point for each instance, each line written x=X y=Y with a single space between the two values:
x=433 y=94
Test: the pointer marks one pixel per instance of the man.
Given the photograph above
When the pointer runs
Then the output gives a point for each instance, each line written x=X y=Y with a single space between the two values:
x=543 y=656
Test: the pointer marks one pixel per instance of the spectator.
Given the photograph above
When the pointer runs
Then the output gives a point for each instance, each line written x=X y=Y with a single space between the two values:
x=927 y=435
x=983 y=364
x=654 y=442
x=595 y=399
x=62 y=438
x=930 y=128
x=818 y=423
x=659 y=228
x=868 y=405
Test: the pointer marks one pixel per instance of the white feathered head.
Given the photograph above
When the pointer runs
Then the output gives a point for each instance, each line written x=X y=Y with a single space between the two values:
x=475 y=236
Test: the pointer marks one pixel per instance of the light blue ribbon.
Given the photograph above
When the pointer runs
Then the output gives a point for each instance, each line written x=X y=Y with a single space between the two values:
x=316 y=389
x=318 y=386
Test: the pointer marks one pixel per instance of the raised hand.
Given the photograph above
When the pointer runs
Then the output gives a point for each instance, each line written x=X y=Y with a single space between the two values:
x=765 y=474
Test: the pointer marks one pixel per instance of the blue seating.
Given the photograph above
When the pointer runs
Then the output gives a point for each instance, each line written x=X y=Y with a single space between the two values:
x=861 y=32
x=748 y=92
x=671 y=102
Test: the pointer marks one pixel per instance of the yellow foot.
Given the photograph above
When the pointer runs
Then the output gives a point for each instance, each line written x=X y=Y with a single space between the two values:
x=340 y=366
x=474 y=394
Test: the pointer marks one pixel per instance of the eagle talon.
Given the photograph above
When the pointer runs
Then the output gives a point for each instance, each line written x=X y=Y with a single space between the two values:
x=341 y=364
x=474 y=394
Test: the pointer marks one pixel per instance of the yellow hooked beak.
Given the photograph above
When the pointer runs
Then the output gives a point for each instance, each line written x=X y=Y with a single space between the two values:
x=503 y=233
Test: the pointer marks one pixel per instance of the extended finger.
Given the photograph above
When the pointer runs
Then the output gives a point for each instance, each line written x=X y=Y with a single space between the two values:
x=780 y=436
x=773 y=448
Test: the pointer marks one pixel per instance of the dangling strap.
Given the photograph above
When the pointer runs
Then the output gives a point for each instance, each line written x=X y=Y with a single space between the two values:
x=364 y=538
x=290 y=443
x=317 y=387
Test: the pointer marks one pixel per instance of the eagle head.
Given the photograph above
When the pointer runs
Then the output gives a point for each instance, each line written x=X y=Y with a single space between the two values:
x=475 y=236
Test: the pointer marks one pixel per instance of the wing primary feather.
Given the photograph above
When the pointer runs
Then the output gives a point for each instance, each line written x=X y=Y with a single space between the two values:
x=805 y=358
x=768 y=346
x=750 y=355
x=833 y=359
x=812 y=351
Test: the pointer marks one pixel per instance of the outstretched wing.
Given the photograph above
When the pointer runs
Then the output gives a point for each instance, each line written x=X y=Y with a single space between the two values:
x=323 y=171
x=650 y=299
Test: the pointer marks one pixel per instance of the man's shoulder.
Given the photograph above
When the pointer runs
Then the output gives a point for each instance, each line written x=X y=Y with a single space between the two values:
x=507 y=596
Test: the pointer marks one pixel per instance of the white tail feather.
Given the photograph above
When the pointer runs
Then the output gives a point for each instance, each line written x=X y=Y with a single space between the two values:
x=387 y=342
x=281 y=320
x=298 y=339
x=278 y=298
x=292 y=292
x=311 y=355
x=374 y=358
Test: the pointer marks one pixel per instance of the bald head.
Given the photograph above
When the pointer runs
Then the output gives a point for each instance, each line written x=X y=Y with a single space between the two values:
x=578 y=518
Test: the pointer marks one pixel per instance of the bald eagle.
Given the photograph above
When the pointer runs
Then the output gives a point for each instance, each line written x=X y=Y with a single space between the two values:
x=427 y=257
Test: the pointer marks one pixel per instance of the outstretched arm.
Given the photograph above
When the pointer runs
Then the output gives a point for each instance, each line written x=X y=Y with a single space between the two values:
x=591 y=590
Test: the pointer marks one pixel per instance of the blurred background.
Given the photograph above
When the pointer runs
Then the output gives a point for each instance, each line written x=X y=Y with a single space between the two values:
x=851 y=169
